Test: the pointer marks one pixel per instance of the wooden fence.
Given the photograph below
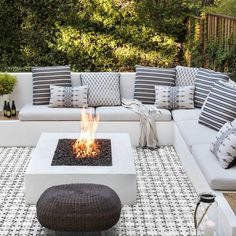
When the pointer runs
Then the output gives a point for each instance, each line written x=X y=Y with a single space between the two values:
x=211 y=28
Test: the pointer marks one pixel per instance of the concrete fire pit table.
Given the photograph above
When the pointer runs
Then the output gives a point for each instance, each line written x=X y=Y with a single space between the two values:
x=121 y=176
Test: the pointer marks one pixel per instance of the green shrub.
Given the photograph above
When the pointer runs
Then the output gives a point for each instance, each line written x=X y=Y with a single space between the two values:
x=96 y=35
x=7 y=83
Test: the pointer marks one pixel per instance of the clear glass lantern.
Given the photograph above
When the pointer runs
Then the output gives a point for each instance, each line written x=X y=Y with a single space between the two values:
x=206 y=215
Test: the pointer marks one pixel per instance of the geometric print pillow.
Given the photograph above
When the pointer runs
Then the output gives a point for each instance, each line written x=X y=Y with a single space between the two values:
x=103 y=88
x=224 y=145
x=174 y=97
x=220 y=106
x=43 y=77
x=68 y=96
x=185 y=75
x=146 y=78
x=205 y=79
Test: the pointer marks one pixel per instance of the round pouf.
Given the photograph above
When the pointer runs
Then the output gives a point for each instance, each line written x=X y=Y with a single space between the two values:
x=78 y=207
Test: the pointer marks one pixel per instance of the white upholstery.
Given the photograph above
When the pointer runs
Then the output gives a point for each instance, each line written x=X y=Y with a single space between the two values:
x=186 y=114
x=217 y=177
x=120 y=113
x=194 y=133
x=43 y=112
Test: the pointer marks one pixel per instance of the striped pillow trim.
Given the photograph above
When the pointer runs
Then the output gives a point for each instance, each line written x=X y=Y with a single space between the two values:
x=205 y=80
x=220 y=106
x=147 y=78
x=43 y=77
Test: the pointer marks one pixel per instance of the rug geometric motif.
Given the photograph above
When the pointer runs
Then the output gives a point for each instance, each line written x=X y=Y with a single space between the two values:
x=165 y=196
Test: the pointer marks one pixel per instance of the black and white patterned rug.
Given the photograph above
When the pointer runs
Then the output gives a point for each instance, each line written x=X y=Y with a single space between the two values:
x=165 y=197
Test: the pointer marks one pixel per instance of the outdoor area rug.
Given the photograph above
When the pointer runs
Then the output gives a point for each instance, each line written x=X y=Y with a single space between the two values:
x=165 y=196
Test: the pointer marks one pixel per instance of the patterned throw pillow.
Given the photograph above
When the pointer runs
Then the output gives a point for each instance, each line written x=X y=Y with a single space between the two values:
x=174 y=97
x=103 y=88
x=224 y=145
x=205 y=79
x=43 y=77
x=68 y=96
x=185 y=76
x=148 y=77
x=220 y=106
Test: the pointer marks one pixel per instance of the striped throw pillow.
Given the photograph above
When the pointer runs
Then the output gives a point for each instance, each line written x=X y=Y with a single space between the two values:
x=43 y=77
x=220 y=106
x=205 y=79
x=147 y=78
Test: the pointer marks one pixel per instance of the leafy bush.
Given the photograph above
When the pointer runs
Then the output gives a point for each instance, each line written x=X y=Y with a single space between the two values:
x=96 y=35
x=7 y=83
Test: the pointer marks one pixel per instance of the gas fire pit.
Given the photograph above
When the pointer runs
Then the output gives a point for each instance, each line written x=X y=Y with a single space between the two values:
x=120 y=176
x=65 y=156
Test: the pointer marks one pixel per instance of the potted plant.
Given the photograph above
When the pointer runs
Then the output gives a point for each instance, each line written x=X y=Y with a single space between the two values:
x=7 y=83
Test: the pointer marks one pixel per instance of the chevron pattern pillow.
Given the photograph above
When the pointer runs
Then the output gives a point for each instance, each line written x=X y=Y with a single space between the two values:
x=185 y=76
x=220 y=106
x=205 y=80
x=147 y=78
x=68 y=96
x=43 y=77
x=103 y=88
x=224 y=145
x=174 y=97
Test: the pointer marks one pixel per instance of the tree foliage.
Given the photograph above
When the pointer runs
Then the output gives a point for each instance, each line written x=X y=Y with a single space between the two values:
x=224 y=7
x=96 y=35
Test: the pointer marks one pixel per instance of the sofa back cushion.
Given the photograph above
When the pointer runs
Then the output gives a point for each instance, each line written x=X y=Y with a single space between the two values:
x=43 y=77
x=103 y=88
x=205 y=80
x=68 y=96
x=147 y=78
x=179 y=97
x=220 y=106
x=185 y=76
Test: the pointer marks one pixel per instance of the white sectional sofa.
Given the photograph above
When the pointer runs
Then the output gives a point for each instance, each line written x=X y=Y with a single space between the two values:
x=172 y=128
x=178 y=127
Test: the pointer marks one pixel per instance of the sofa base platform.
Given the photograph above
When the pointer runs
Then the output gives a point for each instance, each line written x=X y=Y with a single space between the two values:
x=27 y=133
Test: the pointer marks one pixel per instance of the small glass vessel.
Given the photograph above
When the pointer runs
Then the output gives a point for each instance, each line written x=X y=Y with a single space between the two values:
x=206 y=215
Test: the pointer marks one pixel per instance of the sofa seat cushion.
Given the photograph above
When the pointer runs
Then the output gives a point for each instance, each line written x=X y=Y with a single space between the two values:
x=120 y=113
x=186 y=114
x=217 y=177
x=195 y=133
x=43 y=112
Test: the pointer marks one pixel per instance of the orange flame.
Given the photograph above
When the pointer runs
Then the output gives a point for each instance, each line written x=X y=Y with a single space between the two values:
x=85 y=145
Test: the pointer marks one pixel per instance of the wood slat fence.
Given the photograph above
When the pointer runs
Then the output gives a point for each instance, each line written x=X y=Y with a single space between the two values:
x=208 y=28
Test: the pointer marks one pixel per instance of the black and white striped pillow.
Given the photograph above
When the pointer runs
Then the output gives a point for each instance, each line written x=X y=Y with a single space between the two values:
x=43 y=77
x=147 y=78
x=205 y=79
x=220 y=106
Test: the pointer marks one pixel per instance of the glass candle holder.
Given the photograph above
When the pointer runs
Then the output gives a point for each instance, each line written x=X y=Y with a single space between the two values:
x=206 y=215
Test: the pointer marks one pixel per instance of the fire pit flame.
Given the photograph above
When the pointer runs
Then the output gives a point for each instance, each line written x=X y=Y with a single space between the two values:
x=86 y=146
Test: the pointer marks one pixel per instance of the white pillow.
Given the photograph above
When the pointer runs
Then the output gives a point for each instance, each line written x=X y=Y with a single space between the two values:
x=68 y=96
x=224 y=145
x=174 y=97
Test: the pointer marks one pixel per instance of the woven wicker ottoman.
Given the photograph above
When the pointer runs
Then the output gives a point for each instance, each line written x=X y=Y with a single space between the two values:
x=78 y=208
